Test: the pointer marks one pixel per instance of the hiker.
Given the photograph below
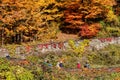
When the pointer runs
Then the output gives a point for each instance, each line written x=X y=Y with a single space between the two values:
x=7 y=56
x=87 y=65
x=49 y=64
x=44 y=66
x=49 y=67
x=60 y=65
x=78 y=65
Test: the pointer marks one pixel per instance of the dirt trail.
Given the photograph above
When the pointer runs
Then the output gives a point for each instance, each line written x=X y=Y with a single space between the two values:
x=65 y=37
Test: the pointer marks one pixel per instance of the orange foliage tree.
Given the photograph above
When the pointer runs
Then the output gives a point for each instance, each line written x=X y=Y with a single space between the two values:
x=16 y=20
x=81 y=14
x=89 y=31
x=117 y=8
x=26 y=20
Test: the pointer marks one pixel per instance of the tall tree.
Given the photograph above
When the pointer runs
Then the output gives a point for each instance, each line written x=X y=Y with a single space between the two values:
x=80 y=13
x=83 y=16
x=23 y=20
x=50 y=14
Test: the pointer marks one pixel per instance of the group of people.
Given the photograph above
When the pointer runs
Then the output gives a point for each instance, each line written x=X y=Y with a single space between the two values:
x=46 y=63
x=78 y=66
x=86 y=65
x=47 y=66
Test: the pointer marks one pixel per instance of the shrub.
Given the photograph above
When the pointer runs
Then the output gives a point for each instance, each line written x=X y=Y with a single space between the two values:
x=78 y=50
x=108 y=56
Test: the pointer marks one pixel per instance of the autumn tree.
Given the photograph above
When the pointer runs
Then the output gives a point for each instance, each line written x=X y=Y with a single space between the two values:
x=117 y=8
x=51 y=18
x=79 y=15
x=22 y=21
x=29 y=20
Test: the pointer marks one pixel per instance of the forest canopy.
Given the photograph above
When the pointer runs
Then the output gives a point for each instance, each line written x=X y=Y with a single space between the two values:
x=28 y=20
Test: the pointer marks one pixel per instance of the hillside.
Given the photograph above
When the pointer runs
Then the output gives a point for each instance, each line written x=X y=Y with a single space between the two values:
x=42 y=20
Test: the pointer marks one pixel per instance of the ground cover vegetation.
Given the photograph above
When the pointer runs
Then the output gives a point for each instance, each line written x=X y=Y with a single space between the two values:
x=24 y=21
x=104 y=64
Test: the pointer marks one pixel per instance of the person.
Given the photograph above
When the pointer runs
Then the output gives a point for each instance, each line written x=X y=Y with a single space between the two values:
x=49 y=64
x=44 y=66
x=60 y=64
x=7 y=56
x=49 y=67
x=87 y=65
x=78 y=65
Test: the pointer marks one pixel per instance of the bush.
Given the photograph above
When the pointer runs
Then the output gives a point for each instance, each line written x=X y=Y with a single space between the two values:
x=78 y=50
x=108 y=56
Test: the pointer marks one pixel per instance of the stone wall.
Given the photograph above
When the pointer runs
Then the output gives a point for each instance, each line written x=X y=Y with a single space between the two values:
x=102 y=42
x=60 y=46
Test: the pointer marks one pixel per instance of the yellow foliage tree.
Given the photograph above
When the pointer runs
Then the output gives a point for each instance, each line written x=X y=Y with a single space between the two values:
x=28 y=18
x=78 y=50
